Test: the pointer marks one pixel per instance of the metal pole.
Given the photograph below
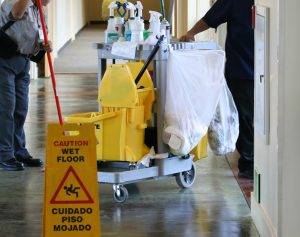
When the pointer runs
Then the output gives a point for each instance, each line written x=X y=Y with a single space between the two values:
x=53 y=79
x=163 y=9
x=171 y=12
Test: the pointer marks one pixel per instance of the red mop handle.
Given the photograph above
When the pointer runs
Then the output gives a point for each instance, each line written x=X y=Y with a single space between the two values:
x=53 y=79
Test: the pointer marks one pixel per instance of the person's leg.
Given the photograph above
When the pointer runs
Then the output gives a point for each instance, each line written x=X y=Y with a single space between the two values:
x=7 y=107
x=21 y=110
x=245 y=144
x=243 y=93
x=20 y=114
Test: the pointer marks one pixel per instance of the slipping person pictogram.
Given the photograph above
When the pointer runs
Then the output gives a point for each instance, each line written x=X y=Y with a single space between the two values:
x=71 y=190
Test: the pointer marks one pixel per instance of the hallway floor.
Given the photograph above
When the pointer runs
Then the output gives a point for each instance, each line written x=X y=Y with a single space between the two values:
x=214 y=207
x=79 y=56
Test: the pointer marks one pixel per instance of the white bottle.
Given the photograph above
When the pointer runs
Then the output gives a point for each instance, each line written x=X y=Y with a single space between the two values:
x=137 y=31
x=138 y=26
x=119 y=25
x=155 y=24
x=111 y=26
x=166 y=28
x=131 y=8
x=140 y=8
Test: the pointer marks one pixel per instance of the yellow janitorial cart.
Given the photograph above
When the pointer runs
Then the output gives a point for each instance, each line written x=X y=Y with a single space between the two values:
x=130 y=121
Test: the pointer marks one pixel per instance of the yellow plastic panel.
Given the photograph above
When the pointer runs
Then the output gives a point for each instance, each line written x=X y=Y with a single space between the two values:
x=113 y=135
x=146 y=93
x=135 y=68
x=136 y=129
x=118 y=88
x=200 y=151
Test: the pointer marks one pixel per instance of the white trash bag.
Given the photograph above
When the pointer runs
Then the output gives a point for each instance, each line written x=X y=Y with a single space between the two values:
x=223 y=131
x=194 y=83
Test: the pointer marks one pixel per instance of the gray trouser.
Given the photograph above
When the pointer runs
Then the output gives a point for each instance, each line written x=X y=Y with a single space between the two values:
x=14 y=88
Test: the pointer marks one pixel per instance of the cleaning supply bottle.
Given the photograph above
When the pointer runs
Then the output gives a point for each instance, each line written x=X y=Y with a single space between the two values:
x=139 y=7
x=155 y=24
x=128 y=25
x=111 y=34
x=166 y=28
x=137 y=31
x=127 y=33
x=138 y=26
x=131 y=8
x=120 y=21
x=119 y=25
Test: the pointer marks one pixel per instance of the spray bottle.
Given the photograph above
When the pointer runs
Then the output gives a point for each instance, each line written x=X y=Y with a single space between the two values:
x=166 y=29
x=128 y=31
x=119 y=25
x=139 y=8
x=155 y=25
x=138 y=27
x=120 y=21
x=131 y=8
x=111 y=35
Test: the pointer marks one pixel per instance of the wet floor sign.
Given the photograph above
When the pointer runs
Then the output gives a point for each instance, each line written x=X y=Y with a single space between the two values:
x=71 y=205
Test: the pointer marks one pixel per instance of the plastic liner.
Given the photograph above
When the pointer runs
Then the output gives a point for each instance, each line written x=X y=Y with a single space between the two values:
x=223 y=131
x=194 y=85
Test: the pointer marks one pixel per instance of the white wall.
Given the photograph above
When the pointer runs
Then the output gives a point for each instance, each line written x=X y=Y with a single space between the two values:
x=289 y=117
x=196 y=10
x=79 y=15
x=63 y=19
x=266 y=156
x=279 y=210
x=66 y=19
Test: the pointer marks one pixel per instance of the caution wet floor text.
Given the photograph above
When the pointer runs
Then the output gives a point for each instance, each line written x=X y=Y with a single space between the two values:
x=71 y=205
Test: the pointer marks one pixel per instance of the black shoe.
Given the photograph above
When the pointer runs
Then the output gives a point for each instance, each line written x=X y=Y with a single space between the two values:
x=12 y=165
x=246 y=174
x=29 y=161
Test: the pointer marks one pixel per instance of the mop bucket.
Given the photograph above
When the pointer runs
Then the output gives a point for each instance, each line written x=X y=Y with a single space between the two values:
x=113 y=132
x=126 y=109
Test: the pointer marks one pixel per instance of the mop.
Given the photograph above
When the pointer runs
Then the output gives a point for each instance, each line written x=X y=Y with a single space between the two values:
x=50 y=62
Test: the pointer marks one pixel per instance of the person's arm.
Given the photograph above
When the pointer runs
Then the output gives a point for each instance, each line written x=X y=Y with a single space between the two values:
x=198 y=28
x=219 y=13
x=19 y=9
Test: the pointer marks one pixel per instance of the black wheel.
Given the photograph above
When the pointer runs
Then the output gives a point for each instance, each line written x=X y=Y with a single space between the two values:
x=121 y=194
x=186 y=179
x=132 y=167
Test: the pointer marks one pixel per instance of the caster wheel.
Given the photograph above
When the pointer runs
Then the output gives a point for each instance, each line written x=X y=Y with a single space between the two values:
x=132 y=167
x=186 y=179
x=121 y=194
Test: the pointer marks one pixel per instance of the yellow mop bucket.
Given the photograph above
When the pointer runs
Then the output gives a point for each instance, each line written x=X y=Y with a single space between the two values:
x=126 y=111
x=200 y=151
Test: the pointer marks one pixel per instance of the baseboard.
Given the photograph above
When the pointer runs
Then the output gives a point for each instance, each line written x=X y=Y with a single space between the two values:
x=98 y=22
x=64 y=46
x=262 y=220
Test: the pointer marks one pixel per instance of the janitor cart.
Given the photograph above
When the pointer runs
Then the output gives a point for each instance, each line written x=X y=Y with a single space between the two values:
x=130 y=119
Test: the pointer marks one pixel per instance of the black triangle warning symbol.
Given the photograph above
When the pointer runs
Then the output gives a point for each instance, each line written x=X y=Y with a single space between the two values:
x=71 y=190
